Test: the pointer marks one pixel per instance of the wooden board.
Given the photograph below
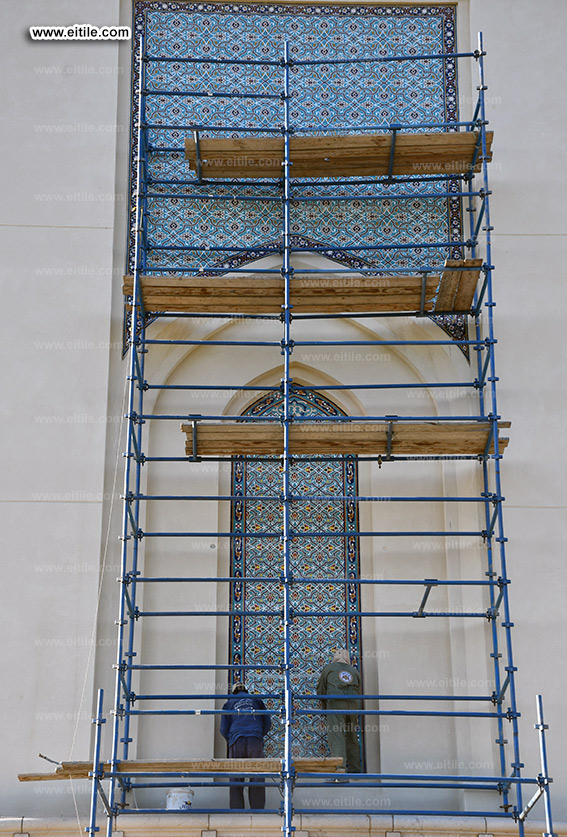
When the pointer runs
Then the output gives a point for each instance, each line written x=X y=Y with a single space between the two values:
x=408 y=438
x=457 y=286
x=452 y=291
x=334 y=156
x=81 y=769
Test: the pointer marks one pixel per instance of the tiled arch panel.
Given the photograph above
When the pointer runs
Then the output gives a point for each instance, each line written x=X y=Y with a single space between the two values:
x=258 y=640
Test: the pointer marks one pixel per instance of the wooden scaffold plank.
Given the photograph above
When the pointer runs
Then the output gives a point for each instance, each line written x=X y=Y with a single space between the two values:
x=401 y=438
x=451 y=291
x=435 y=152
x=81 y=769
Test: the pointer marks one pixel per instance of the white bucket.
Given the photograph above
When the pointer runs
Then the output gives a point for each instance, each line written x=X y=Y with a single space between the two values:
x=179 y=800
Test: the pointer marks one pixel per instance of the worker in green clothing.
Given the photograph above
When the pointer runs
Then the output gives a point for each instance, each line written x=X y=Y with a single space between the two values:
x=340 y=678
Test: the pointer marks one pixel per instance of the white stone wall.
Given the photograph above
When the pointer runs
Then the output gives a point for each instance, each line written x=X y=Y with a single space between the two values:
x=526 y=77
x=63 y=236
x=58 y=211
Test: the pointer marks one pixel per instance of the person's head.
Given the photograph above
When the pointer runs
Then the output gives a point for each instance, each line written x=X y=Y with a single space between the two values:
x=341 y=655
x=238 y=687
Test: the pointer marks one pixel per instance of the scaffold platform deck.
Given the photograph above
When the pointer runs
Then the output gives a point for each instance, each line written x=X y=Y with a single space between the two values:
x=393 y=153
x=448 y=292
x=406 y=437
x=83 y=769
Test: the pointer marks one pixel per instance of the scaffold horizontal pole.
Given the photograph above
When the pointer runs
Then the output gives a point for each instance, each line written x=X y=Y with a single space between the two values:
x=315 y=534
x=298 y=182
x=483 y=421
x=418 y=245
x=298 y=62
x=299 y=580
x=313 y=614
x=380 y=196
x=329 y=129
x=388 y=712
x=320 y=498
x=276 y=345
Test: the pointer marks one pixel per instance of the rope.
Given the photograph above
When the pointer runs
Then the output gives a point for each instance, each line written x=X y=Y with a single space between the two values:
x=103 y=568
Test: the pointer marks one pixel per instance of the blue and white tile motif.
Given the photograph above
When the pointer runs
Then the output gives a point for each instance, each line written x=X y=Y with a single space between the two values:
x=258 y=640
x=324 y=97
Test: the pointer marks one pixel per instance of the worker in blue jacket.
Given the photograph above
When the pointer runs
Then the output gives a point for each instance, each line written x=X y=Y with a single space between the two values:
x=244 y=732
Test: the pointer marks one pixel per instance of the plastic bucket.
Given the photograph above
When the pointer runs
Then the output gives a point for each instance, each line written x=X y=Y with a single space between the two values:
x=178 y=800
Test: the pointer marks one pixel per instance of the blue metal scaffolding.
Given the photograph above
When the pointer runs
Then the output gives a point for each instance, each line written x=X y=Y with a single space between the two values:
x=499 y=708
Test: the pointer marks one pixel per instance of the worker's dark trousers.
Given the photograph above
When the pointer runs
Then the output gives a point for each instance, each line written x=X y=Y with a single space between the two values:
x=343 y=740
x=247 y=747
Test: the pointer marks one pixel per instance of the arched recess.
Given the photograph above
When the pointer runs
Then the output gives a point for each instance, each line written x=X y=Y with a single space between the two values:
x=257 y=640
x=407 y=651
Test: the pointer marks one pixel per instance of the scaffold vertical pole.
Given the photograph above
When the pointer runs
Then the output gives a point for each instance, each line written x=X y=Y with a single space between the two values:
x=507 y=624
x=135 y=377
x=287 y=348
x=98 y=721
x=482 y=366
x=541 y=727
x=490 y=572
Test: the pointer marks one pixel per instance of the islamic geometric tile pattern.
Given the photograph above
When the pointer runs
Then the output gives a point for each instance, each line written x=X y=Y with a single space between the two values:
x=257 y=640
x=347 y=97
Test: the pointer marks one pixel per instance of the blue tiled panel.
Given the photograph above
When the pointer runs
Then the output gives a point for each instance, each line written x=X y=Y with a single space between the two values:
x=341 y=97
x=258 y=640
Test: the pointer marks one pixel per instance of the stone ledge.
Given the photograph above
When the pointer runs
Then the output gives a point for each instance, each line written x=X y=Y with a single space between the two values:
x=269 y=825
